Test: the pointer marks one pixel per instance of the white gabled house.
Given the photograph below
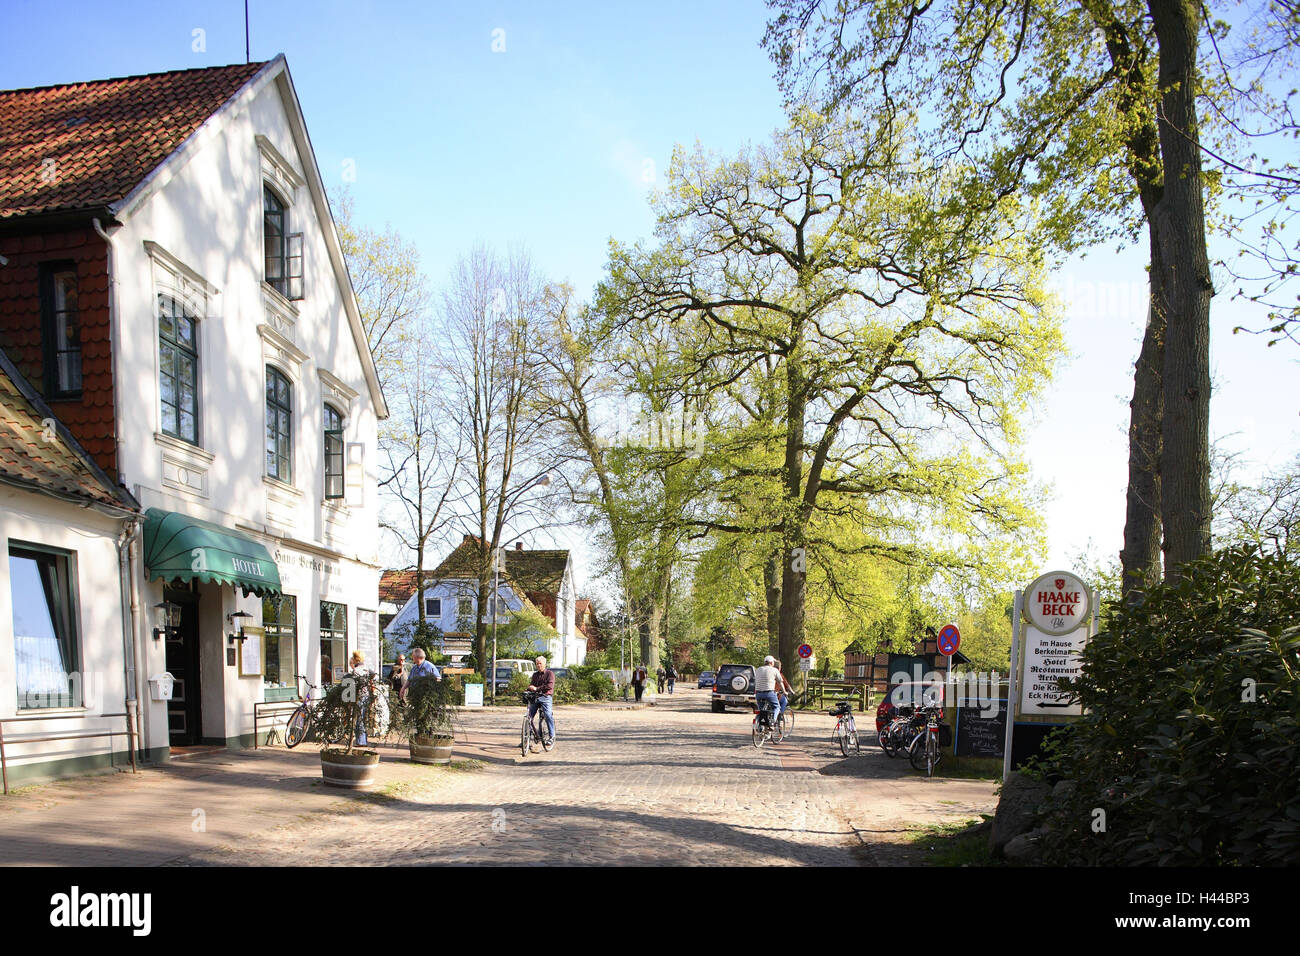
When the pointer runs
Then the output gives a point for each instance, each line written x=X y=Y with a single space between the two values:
x=185 y=308
x=540 y=578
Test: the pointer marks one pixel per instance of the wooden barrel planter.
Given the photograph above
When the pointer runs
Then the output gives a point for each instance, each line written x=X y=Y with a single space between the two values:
x=355 y=771
x=430 y=749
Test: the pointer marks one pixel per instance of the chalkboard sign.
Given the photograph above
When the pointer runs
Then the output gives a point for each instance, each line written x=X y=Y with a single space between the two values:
x=979 y=735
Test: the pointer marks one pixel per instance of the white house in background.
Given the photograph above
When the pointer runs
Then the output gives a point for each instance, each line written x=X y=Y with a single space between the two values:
x=542 y=578
x=186 y=308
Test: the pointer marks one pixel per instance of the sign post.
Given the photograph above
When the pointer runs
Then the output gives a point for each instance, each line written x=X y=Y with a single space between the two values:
x=1053 y=619
x=948 y=642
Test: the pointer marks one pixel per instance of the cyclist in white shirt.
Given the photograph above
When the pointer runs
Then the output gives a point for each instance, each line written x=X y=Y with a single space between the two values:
x=766 y=680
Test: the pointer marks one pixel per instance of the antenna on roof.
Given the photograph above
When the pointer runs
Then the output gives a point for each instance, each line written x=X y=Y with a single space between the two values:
x=247 y=58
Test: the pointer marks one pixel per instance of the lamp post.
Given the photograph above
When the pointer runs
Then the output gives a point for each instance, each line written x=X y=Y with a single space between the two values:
x=498 y=565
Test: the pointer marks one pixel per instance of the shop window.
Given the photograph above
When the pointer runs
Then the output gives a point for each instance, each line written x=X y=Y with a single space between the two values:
x=46 y=653
x=280 y=622
x=333 y=641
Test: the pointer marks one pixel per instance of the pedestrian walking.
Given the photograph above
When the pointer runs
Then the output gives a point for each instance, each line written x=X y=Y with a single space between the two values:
x=660 y=676
x=419 y=668
x=398 y=676
x=639 y=677
x=672 y=676
x=359 y=671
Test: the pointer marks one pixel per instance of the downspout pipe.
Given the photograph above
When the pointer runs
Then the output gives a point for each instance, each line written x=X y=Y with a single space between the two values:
x=126 y=546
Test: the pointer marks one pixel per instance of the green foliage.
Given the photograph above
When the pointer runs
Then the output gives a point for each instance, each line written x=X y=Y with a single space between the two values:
x=336 y=717
x=518 y=684
x=1190 y=739
x=429 y=708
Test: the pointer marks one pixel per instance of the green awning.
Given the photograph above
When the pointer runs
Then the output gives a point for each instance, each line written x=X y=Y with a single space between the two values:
x=178 y=546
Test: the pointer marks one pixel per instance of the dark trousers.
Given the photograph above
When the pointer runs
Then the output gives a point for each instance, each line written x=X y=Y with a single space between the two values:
x=638 y=688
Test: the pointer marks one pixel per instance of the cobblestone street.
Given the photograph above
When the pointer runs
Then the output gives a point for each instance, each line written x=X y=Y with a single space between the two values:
x=669 y=784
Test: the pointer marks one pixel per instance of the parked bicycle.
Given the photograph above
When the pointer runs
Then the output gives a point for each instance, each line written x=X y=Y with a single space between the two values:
x=531 y=735
x=299 y=723
x=898 y=735
x=846 y=730
x=925 y=750
x=765 y=728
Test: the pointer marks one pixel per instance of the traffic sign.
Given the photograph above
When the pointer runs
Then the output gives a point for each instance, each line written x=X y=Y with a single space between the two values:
x=805 y=651
x=949 y=640
x=805 y=663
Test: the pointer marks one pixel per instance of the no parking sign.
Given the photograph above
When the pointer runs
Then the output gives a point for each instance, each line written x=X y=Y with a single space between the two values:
x=949 y=640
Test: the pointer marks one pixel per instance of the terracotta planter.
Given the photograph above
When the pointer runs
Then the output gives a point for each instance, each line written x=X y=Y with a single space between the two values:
x=431 y=749
x=356 y=771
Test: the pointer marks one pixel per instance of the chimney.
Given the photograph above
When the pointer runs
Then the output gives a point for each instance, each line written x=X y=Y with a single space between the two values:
x=519 y=546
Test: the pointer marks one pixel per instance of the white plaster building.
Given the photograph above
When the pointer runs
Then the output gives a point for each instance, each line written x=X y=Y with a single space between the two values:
x=243 y=400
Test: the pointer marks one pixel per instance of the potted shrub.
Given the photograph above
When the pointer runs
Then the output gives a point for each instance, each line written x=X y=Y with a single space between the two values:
x=426 y=719
x=351 y=704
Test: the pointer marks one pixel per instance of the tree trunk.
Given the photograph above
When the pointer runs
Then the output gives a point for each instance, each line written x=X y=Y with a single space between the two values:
x=1179 y=222
x=1140 y=559
x=772 y=582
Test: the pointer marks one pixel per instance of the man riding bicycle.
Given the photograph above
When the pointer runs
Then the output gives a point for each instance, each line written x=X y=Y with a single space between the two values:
x=766 y=680
x=543 y=682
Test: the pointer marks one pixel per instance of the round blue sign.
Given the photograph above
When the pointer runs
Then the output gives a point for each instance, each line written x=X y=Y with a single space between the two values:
x=805 y=651
x=949 y=640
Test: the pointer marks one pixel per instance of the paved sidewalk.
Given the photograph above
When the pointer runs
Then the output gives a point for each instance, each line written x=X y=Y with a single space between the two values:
x=669 y=784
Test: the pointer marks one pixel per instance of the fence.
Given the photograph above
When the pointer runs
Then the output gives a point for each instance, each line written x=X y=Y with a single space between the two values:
x=129 y=733
x=820 y=689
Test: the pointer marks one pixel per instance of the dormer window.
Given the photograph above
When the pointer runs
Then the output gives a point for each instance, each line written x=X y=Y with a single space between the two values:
x=283 y=250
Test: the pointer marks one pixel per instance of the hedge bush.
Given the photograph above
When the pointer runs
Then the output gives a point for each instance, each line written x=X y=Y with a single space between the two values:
x=1190 y=739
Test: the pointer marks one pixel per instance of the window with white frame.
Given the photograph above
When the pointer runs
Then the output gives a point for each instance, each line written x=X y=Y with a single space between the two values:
x=178 y=369
x=433 y=607
x=333 y=453
x=282 y=249
x=279 y=425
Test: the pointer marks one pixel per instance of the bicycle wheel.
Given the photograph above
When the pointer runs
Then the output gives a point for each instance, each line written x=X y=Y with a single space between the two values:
x=936 y=754
x=757 y=732
x=853 y=740
x=788 y=716
x=843 y=733
x=547 y=742
x=525 y=737
x=295 y=731
x=916 y=752
x=778 y=730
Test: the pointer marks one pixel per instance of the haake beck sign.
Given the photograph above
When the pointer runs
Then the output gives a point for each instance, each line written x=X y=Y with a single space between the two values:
x=1057 y=603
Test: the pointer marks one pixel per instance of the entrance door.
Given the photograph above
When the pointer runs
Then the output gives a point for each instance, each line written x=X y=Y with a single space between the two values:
x=183 y=711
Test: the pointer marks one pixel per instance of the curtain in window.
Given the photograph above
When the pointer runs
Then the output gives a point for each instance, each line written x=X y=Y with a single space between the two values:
x=45 y=658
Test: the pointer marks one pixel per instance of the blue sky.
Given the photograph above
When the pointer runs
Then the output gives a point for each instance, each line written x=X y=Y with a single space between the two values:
x=549 y=143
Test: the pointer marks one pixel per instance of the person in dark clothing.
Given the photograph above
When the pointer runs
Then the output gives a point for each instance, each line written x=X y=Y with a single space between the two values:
x=639 y=676
x=671 y=676
x=660 y=674
x=543 y=681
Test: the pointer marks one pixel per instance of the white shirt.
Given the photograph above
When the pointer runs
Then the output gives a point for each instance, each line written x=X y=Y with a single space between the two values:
x=766 y=678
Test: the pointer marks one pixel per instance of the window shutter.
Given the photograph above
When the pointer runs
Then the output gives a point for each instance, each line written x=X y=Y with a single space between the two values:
x=293 y=265
x=356 y=474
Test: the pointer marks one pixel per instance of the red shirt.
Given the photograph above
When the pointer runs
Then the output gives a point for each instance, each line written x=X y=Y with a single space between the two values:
x=543 y=681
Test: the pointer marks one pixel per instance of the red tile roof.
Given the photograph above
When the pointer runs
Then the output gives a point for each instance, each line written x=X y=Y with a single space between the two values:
x=37 y=451
x=84 y=145
x=396 y=587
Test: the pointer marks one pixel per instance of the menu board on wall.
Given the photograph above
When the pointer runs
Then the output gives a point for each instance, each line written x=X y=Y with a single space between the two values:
x=980 y=732
x=250 y=652
x=368 y=638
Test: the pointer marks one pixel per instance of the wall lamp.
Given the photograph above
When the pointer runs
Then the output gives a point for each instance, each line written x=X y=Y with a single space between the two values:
x=167 y=617
x=231 y=619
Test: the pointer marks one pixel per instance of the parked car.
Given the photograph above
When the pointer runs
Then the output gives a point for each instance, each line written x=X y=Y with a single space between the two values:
x=503 y=676
x=613 y=677
x=560 y=672
x=734 y=687
x=707 y=679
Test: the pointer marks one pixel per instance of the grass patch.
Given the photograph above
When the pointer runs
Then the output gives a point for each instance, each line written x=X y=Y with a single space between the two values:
x=970 y=769
x=955 y=844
